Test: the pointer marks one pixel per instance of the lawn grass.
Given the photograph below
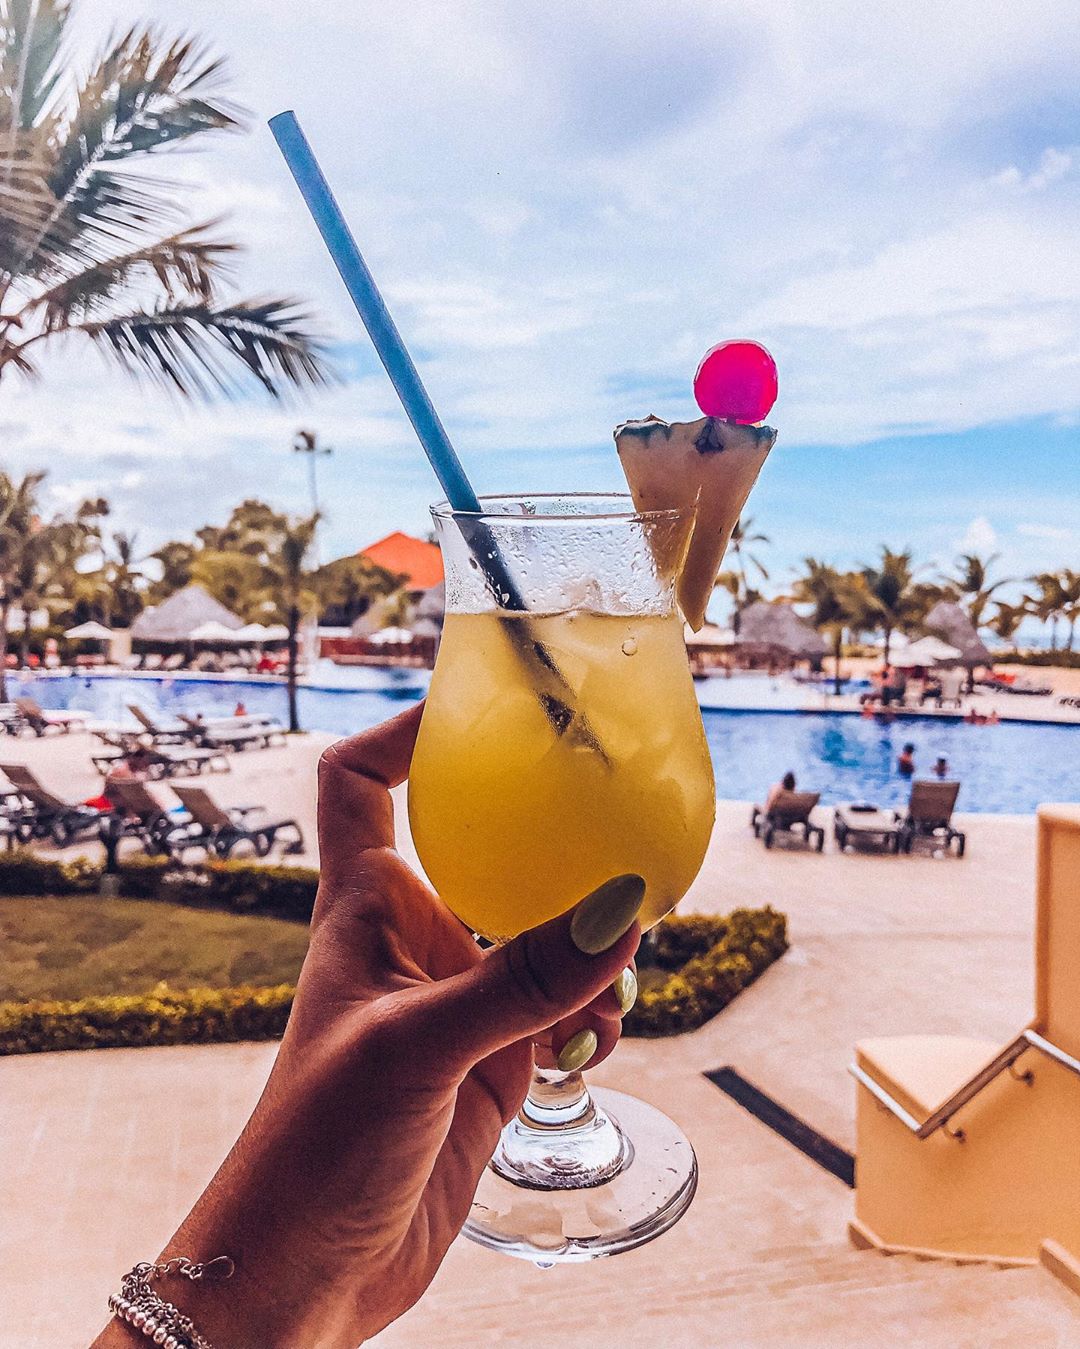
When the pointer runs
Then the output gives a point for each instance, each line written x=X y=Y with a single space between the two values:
x=80 y=947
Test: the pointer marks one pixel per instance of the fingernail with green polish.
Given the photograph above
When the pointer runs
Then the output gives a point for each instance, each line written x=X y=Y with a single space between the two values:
x=601 y=918
x=577 y=1051
x=625 y=986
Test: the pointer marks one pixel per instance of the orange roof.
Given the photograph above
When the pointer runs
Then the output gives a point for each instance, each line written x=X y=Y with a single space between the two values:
x=400 y=553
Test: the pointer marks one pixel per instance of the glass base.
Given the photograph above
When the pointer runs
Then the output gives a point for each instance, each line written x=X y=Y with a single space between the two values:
x=619 y=1177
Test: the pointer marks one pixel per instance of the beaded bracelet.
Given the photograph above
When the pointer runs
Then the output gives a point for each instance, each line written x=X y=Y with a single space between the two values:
x=147 y=1312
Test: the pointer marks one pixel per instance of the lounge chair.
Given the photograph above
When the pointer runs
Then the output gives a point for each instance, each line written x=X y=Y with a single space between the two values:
x=237 y=733
x=250 y=731
x=42 y=814
x=12 y=720
x=221 y=830
x=866 y=826
x=789 y=814
x=952 y=687
x=929 y=815
x=146 y=818
x=158 y=761
x=41 y=721
x=174 y=734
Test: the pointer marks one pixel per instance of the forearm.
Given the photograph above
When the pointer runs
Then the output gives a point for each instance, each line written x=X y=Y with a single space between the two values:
x=281 y=1294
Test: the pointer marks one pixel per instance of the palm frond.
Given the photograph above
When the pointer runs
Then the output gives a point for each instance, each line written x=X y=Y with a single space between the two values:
x=31 y=39
x=183 y=266
x=141 y=96
x=196 y=349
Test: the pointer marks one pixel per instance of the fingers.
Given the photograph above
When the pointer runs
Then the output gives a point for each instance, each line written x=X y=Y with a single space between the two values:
x=355 y=777
x=603 y=1016
x=540 y=978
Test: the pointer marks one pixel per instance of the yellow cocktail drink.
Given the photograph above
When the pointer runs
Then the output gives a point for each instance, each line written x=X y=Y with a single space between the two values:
x=515 y=819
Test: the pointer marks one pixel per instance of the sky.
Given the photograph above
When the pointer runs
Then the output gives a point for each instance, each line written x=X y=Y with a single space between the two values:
x=567 y=204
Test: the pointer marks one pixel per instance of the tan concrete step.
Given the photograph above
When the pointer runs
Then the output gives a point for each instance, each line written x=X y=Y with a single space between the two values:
x=837 y=1299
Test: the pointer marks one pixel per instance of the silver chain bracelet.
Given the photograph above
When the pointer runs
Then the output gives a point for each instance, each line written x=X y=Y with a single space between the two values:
x=160 y=1321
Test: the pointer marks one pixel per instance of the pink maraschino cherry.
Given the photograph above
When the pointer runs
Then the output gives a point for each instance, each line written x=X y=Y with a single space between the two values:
x=736 y=381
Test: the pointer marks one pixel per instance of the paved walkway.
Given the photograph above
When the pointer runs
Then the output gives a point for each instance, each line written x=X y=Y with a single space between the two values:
x=104 y=1151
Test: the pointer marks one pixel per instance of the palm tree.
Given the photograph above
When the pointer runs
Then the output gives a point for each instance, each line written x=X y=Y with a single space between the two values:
x=840 y=600
x=742 y=539
x=291 y=586
x=91 y=247
x=1070 y=590
x=895 y=601
x=1007 y=618
x=1048 y=602
x=972 y=581
x=257 y=564
x=126 y=583
x=175 y=558
x=18 y=515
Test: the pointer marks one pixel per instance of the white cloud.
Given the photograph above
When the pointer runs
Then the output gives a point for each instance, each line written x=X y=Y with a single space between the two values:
x=566 y=202
x=979 y=537
x=1051 y=533
x=1053 y=164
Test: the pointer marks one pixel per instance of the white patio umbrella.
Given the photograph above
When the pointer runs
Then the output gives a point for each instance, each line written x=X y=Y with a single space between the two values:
x=709 y=635
x=276 y=632
x=252 y=632
x=89 y=632
x=215 y=632
x=925 y=651
x=386 y=636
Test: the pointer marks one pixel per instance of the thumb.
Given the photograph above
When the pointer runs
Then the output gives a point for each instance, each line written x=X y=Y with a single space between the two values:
x=538 y=978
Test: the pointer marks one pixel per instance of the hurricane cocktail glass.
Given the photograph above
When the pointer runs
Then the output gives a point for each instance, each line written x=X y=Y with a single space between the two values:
x=562 y=745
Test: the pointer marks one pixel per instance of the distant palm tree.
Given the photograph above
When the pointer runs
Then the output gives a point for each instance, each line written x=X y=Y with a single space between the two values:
x=19 y=514
x=972 y=582
x=735 y=581
x=126 y=585
x=742 y=540
x=1070 y=589
x=259 y=564
x=91 y=247
x=1007 y=618
x=895 y=600
x=841 y=600
x=1048 y=601
x=291 y=587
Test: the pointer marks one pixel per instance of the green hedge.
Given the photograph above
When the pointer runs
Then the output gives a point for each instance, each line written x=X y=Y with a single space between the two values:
x=703 y=962
x=241 y=887
x=164 y=1017
x=23 y=872
x=707 y=962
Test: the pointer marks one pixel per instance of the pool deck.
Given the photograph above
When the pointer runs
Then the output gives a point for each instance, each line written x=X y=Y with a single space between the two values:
x=99 y=1170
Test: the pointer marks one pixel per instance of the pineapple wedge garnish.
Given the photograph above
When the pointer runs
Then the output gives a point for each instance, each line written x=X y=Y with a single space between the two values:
x=708 y=464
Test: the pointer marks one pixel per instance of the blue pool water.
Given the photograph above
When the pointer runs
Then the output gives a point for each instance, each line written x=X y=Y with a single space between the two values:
x=1011 y=767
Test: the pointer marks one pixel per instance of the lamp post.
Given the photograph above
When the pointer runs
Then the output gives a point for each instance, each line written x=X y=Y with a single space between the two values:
x=307 y=442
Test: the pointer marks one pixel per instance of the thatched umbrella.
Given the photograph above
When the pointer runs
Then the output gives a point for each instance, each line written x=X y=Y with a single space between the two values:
x=173 y=622
x=949 y=622
x=777 y=630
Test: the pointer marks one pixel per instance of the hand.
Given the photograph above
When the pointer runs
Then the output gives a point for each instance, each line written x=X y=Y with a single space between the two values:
x=406 y=1052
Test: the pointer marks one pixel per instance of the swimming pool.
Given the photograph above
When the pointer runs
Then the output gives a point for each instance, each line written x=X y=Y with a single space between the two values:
x=1010 y=768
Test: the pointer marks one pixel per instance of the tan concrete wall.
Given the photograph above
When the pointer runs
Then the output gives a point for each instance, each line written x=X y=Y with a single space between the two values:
x=1014 y=1180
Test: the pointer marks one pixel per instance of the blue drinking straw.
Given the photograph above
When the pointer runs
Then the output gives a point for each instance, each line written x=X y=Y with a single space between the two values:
x=405 y=378
x=382 y=330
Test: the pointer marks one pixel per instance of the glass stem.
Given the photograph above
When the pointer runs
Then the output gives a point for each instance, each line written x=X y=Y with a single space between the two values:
x=560 y=1139
x=556 y=1100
